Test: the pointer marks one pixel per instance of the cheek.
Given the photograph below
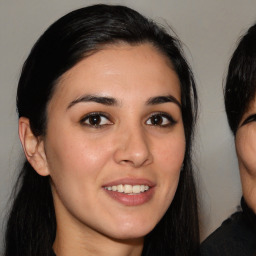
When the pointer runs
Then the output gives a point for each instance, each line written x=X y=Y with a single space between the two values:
x=172 y=151
x=169 y=162
x=246 y=150
x=73 y=156
x=75 y=163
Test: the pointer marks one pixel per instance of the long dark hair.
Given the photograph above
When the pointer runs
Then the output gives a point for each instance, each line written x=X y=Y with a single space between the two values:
x=31 y=227
x=240 y=87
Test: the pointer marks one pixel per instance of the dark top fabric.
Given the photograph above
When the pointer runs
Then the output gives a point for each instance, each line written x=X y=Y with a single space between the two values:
x=235 y=237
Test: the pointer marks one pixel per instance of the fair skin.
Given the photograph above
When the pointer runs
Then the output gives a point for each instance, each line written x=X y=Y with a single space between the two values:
x=246 y=152
x=114 y=119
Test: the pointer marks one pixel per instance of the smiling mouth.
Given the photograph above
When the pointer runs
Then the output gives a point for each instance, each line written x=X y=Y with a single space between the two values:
x=128 y=189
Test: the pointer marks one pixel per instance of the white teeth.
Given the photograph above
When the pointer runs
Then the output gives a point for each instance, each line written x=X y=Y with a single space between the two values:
x=128 y=189
x=136 y=189
x=120 y=188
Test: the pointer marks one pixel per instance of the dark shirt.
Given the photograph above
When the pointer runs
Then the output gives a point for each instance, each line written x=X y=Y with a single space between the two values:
x=235 y=237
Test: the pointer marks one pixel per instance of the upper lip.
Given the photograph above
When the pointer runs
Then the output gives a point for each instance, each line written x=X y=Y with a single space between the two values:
x=130 y=181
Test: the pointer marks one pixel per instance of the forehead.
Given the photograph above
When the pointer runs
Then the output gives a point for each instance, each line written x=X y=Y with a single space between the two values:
x=119 y=69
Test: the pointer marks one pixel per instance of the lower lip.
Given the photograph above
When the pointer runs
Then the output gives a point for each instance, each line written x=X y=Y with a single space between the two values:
x=131 y=200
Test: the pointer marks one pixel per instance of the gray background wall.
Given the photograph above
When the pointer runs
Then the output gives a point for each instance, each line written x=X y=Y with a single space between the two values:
x=209 y=30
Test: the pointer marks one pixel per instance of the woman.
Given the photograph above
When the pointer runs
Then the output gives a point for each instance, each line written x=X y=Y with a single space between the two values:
x=237 y=235
x=107 y=105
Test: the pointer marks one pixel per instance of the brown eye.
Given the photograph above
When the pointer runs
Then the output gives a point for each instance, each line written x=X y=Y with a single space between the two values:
x=96 y=120
x=162 y=120
x=156 y=120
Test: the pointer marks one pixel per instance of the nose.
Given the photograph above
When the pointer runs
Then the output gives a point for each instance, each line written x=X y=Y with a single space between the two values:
x=133 y=148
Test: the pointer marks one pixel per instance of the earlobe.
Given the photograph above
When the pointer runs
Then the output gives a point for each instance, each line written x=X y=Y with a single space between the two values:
x=33 y=147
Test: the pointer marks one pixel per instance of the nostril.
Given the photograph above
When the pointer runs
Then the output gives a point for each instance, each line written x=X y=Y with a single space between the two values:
x=127 y=162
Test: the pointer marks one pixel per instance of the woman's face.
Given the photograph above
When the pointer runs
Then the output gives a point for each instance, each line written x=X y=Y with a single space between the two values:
x=246 y=152
x=115 y=141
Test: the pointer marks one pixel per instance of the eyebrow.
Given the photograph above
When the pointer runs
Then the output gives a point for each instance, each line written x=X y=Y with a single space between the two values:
x=249 y=119
x=108 y=101
x=163 y=99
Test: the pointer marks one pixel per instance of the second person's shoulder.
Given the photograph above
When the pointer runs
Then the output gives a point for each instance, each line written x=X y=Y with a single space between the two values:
x=234 y=237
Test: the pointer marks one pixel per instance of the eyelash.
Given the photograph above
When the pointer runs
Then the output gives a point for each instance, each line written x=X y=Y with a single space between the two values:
x=164 y=118
x=162 y=115
x=249 y=119
x=96 y=115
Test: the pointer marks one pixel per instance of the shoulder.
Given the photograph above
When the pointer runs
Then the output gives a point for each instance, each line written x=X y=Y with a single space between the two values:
x=234 y=237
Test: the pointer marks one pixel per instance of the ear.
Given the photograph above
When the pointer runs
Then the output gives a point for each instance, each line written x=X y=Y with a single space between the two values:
x=33 y=147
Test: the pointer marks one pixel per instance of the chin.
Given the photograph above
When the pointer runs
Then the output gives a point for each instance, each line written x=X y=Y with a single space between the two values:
x=132 y=232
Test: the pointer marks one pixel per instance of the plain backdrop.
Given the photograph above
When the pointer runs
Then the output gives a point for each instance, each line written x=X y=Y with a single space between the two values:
x=209 y=30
